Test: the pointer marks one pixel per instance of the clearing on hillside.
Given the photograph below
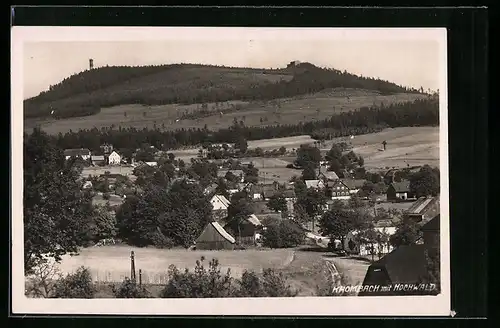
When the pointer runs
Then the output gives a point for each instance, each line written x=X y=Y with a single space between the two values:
x=406 y=147
x=312 y=107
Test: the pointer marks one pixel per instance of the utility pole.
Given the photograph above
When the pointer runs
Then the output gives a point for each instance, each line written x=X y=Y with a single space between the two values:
x=132 y=266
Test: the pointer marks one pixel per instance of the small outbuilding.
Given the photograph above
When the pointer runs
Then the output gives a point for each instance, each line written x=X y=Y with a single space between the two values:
x=214 y=237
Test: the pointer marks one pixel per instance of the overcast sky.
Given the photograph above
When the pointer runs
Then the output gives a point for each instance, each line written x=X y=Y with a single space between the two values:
x=409 y=59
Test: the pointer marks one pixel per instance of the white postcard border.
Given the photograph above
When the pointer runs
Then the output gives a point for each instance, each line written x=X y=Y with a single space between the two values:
x=309 y=306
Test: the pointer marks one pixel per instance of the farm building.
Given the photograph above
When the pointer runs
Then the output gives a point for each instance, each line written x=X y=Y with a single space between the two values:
x=354 y=185
x=98 y=160
x=215 y=237
x=114 y=158
x=240 y=175
x=338 y=190
x=326 y=175
x=219 y=202
x=316 y=184
x=82 y=153
x=424 y=209
x=248 y=229
x=261 y=191
x=399 y=191
x=431 y=233
x=354 y=244
x=405 y=265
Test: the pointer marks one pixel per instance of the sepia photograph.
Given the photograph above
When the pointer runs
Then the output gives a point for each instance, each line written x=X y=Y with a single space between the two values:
x=230 y=171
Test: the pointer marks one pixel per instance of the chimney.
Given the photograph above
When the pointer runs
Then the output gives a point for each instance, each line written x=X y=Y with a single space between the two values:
x=91 y=63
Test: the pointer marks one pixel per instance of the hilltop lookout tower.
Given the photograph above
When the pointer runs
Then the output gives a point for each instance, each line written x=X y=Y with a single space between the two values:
x=294 y=63
x=91 y=63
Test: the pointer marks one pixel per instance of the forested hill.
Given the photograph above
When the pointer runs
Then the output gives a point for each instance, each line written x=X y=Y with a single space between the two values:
x=87 y=92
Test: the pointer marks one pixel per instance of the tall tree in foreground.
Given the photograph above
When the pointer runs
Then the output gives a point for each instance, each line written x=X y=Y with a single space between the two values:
x=57 y=213
x=340 y=220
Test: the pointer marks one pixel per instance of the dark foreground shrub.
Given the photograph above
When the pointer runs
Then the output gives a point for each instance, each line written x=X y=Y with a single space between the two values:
x=201 y=283
x=130 y=289
x=76 y=285
x=270 y=284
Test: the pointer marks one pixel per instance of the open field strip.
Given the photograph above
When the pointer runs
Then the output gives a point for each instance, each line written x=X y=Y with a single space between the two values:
x=112 y=263
x=317 y=106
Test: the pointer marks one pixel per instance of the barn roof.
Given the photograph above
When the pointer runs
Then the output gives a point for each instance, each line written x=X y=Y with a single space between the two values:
x=329 y=175
x=405 y=264
x=77 y=152
x=97 y=158
x=402 y=186
x=205 y=235
x=354 y=183
x=432 y=225
x=421 y=205
x=313 y=183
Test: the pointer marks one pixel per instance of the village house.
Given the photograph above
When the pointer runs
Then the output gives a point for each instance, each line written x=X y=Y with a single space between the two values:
x=114 y=158
x=248 y=230
x=98 y=160
x=82 y=153
x=424 y=209
x=152 y=164
x=220 y=204
x=406 y=264
x=215 y=237
x=338 y=190
x=316 y=184
x=354 y=185
x=263 y=191
x=326 y=175
x=399 y=191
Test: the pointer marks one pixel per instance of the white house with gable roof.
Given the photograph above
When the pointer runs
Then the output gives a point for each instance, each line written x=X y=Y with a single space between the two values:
x=114 y=158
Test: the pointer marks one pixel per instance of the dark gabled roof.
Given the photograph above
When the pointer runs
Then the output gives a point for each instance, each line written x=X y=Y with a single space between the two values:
x=262 y=188
x=405 y=264
x=270 y=192
x=432 y=225
x=403 y=186
x=354 y=183
x=329 y=175
x=76 y=152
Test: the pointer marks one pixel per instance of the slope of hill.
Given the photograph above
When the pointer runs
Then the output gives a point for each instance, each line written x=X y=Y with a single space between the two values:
x=215 y=116
x=87 y=92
